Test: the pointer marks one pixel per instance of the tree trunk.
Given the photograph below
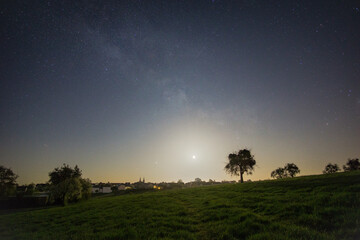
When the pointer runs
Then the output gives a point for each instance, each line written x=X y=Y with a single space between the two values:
x=241 y=178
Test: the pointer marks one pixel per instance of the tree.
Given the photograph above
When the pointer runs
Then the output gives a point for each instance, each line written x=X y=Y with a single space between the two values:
x=331 y=168
x=7 y=181
x=114 y=189
x=67 y=184
x=86 y=188
x=61 y=174
x=278 y=173
x=240 y=163
x=291 y=169
x=67 y=191
x=352 y=165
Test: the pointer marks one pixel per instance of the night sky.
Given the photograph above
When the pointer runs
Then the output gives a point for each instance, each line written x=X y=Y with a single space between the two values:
x=167 y=89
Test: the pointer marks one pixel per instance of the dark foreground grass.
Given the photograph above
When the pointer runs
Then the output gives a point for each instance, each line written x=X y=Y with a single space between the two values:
x=314 y=207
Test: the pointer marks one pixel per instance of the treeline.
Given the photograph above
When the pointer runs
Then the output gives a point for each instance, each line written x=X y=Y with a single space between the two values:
x=291 y=170
x=243 y=161
x=65 y=185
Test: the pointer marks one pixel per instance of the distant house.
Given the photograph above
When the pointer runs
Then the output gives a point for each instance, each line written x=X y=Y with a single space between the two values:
x=101 y=189
x=21 y=188
x=121 y=187
x=106 y=190
x=142 y=185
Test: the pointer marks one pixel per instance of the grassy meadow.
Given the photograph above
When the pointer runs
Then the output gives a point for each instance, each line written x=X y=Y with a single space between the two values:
x=310 y=207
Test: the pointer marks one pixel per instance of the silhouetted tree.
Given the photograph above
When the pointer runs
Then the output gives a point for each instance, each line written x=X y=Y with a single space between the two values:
x=67 y=184
x=291 y=169
x=331 y=168
x=352 y=165
x=114 y=189
x=67 y=191
x=86 y=188
x=278 y=173
x=240 y=163
x=61 y=174
x=7 y=181
x=198 y=180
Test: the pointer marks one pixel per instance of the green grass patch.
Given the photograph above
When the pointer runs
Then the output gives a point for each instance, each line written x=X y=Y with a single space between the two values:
x=311 y=207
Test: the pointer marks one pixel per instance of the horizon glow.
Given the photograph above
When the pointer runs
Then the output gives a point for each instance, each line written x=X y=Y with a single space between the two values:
x=167 y=90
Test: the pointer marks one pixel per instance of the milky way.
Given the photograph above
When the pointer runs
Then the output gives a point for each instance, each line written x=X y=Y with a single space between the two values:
x=136 y=88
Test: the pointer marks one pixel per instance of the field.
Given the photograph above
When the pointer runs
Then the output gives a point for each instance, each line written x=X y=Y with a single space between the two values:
x=311 y=207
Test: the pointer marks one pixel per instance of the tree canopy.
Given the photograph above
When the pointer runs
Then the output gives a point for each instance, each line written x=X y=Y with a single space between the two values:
x=7 y=181
x=289 y=170
x=64 y=172
x=67 y=184
x=352 y=165
x=331 y=168
x=239 y=163
x=278 y=173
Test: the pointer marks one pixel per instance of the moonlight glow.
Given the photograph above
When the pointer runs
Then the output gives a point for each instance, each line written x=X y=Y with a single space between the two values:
x=129 y=89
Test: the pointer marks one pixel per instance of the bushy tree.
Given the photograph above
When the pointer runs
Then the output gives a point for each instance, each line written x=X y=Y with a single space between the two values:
x=86 y=188
x=67 y=191
x=198 y=180
x=7 y=181
x=331 y=168
x=64 y=172
x=114 y=189
x=239 y=163
x=278 y=173
x=352 y=165
x=68 y=186
x=291 y=169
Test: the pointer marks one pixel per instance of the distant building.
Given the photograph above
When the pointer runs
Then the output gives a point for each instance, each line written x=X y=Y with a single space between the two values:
x=106 y=190
x=100 y=189
x=21 y=188
x=142 y=185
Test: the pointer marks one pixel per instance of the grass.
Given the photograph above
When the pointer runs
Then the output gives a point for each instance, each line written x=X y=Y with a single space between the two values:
x=312 y=207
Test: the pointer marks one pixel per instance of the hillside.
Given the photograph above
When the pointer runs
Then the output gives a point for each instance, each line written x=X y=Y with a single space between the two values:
x=311 y=207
